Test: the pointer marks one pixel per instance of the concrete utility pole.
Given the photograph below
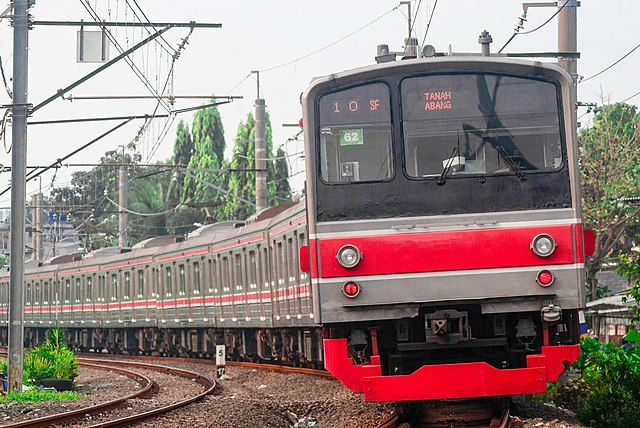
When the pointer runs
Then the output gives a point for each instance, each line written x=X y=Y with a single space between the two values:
x=123 y=197
x=19 y=112
x=568 y=43
x=261 y=150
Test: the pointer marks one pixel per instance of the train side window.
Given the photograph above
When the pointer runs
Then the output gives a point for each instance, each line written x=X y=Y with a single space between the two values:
x=355 y=135
x=167 y=281
x=28 y=294
x=36 y=293
x=89 y=289
x=182 y=280
x=78 y=291
x=140 y=293
x=127 y=286
x=197 y=280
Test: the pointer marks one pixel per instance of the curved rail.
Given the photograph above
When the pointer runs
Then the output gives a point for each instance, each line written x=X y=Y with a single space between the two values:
x=208 y=383
x=148 y=388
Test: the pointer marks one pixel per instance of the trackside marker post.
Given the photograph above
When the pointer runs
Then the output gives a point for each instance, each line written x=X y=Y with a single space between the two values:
x=220 y=360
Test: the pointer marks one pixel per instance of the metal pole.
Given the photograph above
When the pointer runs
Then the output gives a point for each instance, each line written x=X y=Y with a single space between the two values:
x=568 y=43
x=261 y=156
x=123 y=196
x=19 y=112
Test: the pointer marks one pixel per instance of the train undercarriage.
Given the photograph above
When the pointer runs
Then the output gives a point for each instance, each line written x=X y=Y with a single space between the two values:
x=291 y=346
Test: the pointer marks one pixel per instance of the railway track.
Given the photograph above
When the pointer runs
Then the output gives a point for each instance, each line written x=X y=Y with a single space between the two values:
x=149 y=388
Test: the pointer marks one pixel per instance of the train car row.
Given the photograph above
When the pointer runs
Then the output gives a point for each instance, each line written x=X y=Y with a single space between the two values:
x=232 y=283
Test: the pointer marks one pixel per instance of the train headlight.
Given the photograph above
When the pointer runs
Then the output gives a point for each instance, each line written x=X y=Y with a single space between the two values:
x=543 y=245
x=349 y=256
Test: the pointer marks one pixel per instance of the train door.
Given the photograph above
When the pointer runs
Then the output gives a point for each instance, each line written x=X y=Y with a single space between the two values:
x=76 y=312
x=65 y=314
x=196 y=299
x=253 y=295
x=153 y=310
x=114 y=297
x=182 y=306
x=126 y=301
x=226 y=294
x=139 y=302
x=168 y=304
x=101 y=298
x=303 y=281
x=28 y=301
x=279 y=269
x=266 y=285
x=239 y=292
x=45 y=295
x=88 y=308
x=292 y=277
x=213 y=300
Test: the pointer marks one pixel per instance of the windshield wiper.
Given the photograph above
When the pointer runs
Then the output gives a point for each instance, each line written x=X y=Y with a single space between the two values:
x=510 y=163
x=443 y=176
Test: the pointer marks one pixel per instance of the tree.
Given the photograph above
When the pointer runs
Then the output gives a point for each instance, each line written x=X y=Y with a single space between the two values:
x=204 y=180
x=242 y=182
x=610 y=170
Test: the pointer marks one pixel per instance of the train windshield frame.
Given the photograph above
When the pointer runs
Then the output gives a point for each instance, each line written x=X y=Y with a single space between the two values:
x=479 y=124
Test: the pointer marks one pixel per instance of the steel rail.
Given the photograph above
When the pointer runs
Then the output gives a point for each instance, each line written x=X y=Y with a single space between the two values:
x=148 y=388
x=208 y=384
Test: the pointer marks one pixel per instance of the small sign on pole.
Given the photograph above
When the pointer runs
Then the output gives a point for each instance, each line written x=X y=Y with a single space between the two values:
x=220 y=359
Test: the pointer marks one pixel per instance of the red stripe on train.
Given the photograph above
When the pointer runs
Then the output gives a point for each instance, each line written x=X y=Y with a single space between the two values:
x=445 y=250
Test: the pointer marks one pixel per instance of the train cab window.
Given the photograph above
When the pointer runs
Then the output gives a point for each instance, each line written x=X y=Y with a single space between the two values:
x=197 y=280
x=168 y=278
x=78 y=291
x=182 y=280
x=126 y=290
x=479 y=124
x=88 y=297
x=140 y=293
x=355 y=135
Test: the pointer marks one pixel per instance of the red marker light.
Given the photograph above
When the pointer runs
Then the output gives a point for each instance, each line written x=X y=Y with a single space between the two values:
x=301 y=123
x=545 y=278
x=351 y=289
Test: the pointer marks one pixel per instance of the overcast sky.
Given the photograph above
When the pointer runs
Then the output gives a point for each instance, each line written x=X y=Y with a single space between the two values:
x=290 y=42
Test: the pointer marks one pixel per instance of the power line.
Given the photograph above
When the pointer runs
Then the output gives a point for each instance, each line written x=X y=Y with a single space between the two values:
x=331 y=44
x=433 y=11
x=609 y=67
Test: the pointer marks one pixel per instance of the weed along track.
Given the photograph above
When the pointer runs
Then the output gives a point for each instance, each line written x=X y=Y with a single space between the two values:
x=160 y=389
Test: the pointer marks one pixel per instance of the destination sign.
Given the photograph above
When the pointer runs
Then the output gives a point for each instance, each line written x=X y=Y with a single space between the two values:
x=359 y=105
x=428 y=97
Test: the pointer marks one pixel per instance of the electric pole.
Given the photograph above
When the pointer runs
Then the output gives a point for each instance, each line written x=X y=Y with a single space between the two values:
x=19 y=111
x=568 y=43
x=261 y=151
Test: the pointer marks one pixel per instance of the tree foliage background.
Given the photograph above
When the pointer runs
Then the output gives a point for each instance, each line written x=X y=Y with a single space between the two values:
x=204 y=188
x=610 y=172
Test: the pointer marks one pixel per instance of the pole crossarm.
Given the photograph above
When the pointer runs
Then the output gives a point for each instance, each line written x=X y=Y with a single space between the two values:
x=191 y=24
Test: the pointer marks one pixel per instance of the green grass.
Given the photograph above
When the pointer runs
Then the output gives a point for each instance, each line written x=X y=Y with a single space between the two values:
x=36 y=395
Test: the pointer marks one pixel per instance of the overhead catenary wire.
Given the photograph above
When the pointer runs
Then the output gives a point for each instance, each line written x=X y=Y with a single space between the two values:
x=610 y=66
x=518 y=27
x=433 y=11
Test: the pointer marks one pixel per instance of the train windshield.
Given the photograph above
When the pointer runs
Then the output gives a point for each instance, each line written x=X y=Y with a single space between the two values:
x=355 y=135
x=470 y=124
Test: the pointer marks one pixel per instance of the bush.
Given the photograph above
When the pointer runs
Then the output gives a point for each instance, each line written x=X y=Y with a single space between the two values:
x=37 y=396
x=51 y=360
x=608 y=388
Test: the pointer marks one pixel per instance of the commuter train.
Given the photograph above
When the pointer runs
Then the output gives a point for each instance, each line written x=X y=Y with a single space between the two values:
x=438 y=253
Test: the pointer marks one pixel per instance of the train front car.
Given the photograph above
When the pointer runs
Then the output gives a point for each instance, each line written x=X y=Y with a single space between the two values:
x=446 y=245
